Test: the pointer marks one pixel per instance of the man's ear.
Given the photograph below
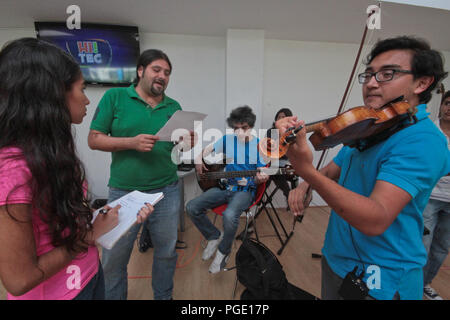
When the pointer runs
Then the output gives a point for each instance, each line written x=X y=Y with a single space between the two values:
x=423 y=83
x=140 y=71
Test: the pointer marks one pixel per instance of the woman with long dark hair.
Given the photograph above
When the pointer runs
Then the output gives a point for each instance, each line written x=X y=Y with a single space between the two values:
x=282 y=181
x=47 y=239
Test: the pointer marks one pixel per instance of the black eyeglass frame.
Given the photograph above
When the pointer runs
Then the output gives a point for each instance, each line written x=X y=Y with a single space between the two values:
x=376 y=75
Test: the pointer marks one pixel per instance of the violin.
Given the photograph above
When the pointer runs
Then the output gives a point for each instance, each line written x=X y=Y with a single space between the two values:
x=347 y=128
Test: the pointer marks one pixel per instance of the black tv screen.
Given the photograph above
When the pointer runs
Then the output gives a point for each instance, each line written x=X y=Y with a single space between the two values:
x=107 y=54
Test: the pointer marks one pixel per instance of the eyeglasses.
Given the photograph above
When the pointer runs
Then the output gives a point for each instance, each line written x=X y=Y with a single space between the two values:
x=380 y=76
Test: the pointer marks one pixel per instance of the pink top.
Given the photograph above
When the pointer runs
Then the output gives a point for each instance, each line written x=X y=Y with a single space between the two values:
x=68 y=283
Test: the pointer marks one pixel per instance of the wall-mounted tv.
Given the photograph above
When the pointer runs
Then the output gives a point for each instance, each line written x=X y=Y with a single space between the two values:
x=107 y=54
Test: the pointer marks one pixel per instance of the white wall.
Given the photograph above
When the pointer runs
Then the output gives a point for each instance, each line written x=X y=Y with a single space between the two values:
x=245 y=71
x=308 y=77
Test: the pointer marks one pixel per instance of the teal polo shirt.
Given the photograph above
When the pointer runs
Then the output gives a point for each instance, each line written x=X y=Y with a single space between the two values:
x=412 y=159
x=123 y=113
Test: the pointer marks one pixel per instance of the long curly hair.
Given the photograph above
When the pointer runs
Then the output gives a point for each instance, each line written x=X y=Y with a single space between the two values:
x=34 y=79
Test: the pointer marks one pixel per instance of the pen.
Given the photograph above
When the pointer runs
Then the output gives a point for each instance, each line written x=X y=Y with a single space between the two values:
x=103 y=211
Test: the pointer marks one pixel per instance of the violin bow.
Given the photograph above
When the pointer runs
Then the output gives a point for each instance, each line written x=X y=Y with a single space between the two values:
x=341 y=106
x=441 y=90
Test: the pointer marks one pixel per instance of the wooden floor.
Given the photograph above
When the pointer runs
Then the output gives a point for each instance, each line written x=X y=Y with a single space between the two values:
x=193 y=281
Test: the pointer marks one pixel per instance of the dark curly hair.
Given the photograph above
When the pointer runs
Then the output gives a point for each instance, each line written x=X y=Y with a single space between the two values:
x=34 y=79
x=425 y=61
x=240 y=115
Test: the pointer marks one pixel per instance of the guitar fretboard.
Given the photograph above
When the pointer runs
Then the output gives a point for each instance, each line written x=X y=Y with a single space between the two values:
x=236 y=174
x=229 y=174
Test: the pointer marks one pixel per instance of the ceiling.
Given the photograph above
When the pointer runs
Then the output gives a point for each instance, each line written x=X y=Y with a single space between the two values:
x=300 y=20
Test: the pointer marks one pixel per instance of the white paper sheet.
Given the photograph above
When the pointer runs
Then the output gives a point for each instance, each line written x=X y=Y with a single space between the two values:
x=131 y=203
x=180 y=120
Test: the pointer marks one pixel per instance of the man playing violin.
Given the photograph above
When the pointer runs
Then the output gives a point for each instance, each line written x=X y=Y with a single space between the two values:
x=377 y=195
x=241 y=152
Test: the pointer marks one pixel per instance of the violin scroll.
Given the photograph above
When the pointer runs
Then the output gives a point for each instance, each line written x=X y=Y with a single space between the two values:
x=277 y=148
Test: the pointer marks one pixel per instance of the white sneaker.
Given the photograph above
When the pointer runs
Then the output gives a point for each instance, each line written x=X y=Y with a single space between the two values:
x=431 y=294
x=211 y=247
x=219 y=262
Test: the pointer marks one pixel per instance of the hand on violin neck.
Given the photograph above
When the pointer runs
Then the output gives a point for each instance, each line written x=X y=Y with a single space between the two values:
x=300 y=154
x=288 y=122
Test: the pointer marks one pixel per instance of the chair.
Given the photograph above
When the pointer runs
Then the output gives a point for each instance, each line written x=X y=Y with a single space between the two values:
x=248 y=215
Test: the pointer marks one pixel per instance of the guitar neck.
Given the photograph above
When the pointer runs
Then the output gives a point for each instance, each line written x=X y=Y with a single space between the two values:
x=230 y=174
x=235 y=174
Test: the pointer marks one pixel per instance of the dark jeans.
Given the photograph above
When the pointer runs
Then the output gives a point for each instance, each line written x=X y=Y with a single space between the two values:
x=95 y=289
x=331 y=283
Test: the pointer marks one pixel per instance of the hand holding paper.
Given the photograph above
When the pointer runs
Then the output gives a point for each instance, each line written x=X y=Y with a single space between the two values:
x=144 y=142
x=145 y=211
x=187 y=141
x=134 y=208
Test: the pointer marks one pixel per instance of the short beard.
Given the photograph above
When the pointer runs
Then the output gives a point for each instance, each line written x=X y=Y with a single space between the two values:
x=155 y=91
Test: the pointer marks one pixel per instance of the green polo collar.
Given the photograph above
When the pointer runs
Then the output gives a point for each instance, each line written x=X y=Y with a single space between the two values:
x=131 y=90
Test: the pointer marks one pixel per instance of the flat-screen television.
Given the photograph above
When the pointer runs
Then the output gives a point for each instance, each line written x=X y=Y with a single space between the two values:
x=107 y=54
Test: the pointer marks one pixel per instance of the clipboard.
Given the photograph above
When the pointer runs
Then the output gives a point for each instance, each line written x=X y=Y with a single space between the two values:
x=131 y=203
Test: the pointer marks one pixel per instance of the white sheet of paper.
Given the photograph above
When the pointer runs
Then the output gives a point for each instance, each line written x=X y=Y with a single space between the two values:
x=131 y=203
x=179 y=120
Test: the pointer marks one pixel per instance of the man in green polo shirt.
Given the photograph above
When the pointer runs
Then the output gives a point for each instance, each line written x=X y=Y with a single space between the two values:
x=125 y=124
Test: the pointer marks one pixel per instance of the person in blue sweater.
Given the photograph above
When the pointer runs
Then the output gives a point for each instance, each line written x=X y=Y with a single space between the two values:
x=241 y=152
x=378 y=193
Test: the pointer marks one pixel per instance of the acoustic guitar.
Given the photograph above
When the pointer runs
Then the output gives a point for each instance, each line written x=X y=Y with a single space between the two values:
x=212 y=177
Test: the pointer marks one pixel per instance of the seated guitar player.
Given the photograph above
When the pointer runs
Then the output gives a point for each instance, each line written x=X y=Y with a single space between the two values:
x=241 y=151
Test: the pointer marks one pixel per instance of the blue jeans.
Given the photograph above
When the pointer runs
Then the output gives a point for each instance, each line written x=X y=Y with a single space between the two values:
x=436 y=218
x=95 y=289
x=162 y=225
x=214 y=197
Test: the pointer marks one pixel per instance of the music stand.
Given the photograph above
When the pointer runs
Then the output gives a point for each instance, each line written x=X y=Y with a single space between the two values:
x=266 y=201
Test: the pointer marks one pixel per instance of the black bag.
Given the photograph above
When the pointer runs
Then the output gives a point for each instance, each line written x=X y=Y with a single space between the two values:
x=259 y=270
